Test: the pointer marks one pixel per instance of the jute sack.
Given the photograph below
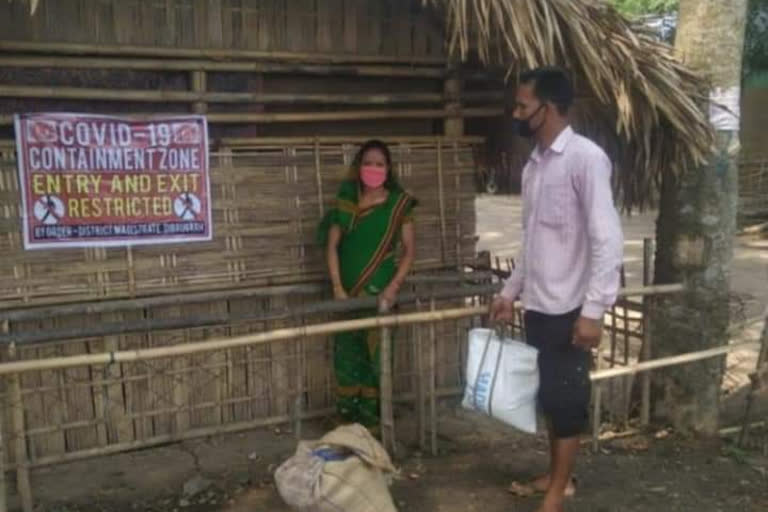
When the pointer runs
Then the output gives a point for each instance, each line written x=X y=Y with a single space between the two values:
x=345 y=471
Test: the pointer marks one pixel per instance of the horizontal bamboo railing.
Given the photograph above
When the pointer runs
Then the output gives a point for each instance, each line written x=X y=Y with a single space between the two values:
x=180 y=96
x=276 y=335
x=279 y=142
x=314 y=117
x=208 y=53
x=169 y=64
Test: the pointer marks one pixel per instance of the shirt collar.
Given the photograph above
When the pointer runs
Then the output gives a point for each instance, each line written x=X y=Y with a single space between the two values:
x=558 y=145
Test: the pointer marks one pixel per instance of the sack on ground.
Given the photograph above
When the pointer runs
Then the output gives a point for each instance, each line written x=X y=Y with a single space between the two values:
x=502 y=379
x=342 y=472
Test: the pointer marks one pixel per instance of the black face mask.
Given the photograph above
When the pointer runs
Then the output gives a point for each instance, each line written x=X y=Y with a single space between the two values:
x=523 y=126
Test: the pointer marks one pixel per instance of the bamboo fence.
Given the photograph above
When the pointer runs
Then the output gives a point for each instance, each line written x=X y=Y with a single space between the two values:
x=64 y=406
x=753 y=192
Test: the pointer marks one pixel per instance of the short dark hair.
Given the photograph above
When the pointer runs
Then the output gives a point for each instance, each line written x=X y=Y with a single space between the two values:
x=551 y=84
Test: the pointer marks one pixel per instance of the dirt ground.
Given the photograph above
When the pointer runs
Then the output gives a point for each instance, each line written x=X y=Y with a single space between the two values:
x=478 y=458
x=477 y=461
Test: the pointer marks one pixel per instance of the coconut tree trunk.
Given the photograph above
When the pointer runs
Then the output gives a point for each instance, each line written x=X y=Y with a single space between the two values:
x=697 y=223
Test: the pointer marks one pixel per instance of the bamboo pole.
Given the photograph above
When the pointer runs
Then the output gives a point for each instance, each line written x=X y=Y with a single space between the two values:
x=167 y=64
x=597 y=396
x=5 y=327
x=432 y=384
x=199 y=83
x=200 y=95
x=275 y=335
x=218 y=319
x=313 y=117
x=260 y=142
x=206 y=53
x=441 y=200
x=757 y=381
x=318 y=177
x=239 y=341
x=420 y=398
x=20 y=444
x=172 y=437
x=221 y=318
x=645 y=399
x=385 y=384
x=121 y=305
x=671 y=361
x=453 y=125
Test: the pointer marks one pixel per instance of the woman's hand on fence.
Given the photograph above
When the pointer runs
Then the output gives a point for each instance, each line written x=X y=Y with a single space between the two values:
x=502 y=310
x=587 y=333
x=387 y=298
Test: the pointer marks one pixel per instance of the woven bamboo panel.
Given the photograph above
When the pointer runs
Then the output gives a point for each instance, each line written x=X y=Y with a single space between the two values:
x=267 y=203
x=92 y=409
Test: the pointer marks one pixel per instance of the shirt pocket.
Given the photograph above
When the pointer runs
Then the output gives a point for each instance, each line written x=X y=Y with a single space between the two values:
x=553 y=209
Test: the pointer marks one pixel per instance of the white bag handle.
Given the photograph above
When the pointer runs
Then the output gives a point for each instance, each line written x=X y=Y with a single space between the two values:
x=495 y=372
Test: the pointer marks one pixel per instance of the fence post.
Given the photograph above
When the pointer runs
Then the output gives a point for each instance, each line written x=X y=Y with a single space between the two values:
x=432 y=384
x=20 y=444
x=5 y=328
x=645 y=400
x=756 y=381
x=385 y=362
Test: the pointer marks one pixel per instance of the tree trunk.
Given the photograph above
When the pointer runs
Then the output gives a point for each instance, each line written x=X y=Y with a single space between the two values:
x=697 y=223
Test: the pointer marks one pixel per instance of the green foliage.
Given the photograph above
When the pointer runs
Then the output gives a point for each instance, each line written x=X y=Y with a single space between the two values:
x=640 y=7
x=756 y=41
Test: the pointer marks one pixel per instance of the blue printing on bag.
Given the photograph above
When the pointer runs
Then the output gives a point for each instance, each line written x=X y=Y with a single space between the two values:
x=330 y=454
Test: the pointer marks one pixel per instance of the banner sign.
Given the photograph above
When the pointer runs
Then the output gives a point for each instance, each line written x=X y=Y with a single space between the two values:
x=96 y=181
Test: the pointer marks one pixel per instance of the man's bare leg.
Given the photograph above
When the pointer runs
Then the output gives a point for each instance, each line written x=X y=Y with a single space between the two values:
x=564 y=453
x=542 y=483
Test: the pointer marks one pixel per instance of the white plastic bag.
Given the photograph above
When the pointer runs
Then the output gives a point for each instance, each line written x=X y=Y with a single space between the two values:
x=502 y=379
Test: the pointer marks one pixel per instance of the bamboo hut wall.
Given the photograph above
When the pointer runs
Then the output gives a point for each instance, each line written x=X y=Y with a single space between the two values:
x=365 y=27
x=267 y=202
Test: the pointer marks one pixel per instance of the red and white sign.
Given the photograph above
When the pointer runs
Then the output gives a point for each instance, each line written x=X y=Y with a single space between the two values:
x=96 y=181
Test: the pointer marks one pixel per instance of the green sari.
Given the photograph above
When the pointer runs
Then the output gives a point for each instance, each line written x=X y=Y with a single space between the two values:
x=367 y=265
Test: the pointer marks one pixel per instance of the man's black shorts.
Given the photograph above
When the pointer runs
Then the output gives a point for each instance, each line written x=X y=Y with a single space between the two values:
x=564 y=389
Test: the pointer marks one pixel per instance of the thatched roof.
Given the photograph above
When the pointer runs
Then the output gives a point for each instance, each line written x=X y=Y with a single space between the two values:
x=660 y=126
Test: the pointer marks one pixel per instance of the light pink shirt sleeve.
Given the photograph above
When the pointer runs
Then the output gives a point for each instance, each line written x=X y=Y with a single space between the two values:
x=593 y=185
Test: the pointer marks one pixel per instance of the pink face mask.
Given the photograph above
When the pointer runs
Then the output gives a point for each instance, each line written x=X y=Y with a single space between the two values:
x=373 y=176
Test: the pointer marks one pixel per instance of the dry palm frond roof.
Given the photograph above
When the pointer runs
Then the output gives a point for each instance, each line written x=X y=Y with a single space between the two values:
x=659 y=123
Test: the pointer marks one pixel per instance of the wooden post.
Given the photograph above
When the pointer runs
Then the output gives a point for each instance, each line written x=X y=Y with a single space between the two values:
x=199 y=82
x=596 y=401
x=298 y=401
x=387 y=413
x=420 y=380
x=441 y=202
x=318 y=177
x=453 y=125
x=20 y=443
x=432 y=384
x=645 y=400
x=758 y=380
x=3 y=490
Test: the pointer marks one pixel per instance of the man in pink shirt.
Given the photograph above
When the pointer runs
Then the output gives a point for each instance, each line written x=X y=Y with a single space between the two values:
x=567 y=273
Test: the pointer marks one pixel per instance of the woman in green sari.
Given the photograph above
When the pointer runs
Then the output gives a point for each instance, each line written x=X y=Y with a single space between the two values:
x=370 y=219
